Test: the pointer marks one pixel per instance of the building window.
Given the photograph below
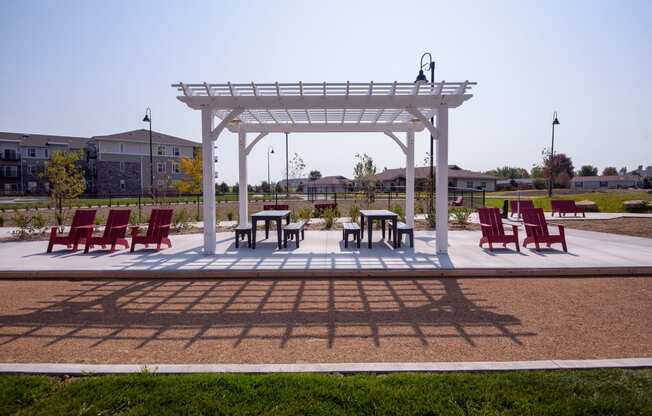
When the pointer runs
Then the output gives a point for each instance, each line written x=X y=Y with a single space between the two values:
x=161 y=151
x=483 y=185
x=46 y=185
x=176 y=151
x=31 y=186
x=122 y=147
x=469 y=184
x=604 y=184
x=122 y=166
x=32 y=169
x=579 y=184
x=123 y=185
x=160 y=167
x=11 y=171
x=176 y=168
x=47 y=153
x=10 y=154
x=31 y=152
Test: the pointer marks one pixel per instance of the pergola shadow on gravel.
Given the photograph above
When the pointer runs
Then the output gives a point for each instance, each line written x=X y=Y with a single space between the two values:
x=329 y=311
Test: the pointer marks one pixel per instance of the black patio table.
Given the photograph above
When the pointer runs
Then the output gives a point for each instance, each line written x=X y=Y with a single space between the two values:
x=381 y=215
x=267 y=216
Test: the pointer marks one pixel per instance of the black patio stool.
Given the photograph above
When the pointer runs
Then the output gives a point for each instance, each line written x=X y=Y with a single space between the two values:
x=348 y=229
x=402 y=229
x=240 y=232
x=292 y=230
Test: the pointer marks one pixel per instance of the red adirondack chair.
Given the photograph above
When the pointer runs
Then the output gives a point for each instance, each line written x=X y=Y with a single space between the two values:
x=514 y=207
x=157 y=230
x=493 y=230
x=81 y=227
x=457 y=202
x=536 y=229
x=114 y=231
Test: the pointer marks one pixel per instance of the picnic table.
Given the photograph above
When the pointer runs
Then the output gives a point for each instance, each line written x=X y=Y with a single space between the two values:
x=267 y=216
x=382 y=215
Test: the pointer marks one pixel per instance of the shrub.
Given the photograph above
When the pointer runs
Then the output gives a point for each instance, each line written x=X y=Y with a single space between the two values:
x=181 y=220
x=133 y=218
x=24 y=225
x=2 y=221
x=354 y=213
x=305 y=213
x=329 y=216
x=431 y=217
x=230 y=214
x=398 y=209
x=461 y=215
x=39 y=223
x=418 y=208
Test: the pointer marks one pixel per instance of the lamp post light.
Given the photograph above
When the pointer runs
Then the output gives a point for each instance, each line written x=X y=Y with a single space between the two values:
x=555 y=122
x=422 y=78
x=148 y=119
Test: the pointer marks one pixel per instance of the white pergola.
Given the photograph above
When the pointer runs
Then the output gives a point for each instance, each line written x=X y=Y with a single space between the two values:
x=388 y=108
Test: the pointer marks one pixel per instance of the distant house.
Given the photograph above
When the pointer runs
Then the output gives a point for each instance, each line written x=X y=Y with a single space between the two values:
x=579 y=183
x=329 y=184
x=295 y=183
x=394 y=179
x=643 y=173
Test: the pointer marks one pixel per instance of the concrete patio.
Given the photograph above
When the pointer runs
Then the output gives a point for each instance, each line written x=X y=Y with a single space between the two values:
x=323 y=253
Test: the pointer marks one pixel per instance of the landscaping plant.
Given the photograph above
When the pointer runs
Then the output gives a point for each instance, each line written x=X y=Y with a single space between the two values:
x=461 y=215
x=398 y=209
x=329 y=215
x=354 y=213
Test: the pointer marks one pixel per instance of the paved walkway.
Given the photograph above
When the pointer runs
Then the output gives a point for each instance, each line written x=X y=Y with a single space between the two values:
x=313 y=320
x=324 y=251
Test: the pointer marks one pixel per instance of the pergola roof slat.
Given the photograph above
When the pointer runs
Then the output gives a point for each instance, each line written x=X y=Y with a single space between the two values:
x=358 y=105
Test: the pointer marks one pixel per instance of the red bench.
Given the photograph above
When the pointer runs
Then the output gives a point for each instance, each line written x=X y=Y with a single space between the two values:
x=275 y=207
x=319 y=207
x=516 y=206
x=566 y=206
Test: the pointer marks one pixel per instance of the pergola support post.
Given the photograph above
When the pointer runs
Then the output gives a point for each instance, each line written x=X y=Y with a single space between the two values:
x=208 y=181
x=441 y=232
x=243 y=199
x=409 y=179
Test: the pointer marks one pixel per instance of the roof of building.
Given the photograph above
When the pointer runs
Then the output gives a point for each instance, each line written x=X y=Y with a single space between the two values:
x=516 y=180
x=421 y=172
x=42 y=140
x=142 y=136
x=643 y=172
x=605 y=178
x=329 y=180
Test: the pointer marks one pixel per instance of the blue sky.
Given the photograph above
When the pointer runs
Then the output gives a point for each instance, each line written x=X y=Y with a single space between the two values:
x=89 y=68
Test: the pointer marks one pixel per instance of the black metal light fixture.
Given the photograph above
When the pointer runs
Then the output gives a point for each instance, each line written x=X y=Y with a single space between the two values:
x=270 y=151
x=421 y=77
x=555 y=122
x=148 y=119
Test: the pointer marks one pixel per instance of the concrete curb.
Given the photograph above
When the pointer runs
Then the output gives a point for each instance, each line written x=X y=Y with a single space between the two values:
x=86 y=369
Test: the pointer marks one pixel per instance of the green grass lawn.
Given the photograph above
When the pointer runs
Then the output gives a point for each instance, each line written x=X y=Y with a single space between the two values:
x=606 y=201
x=595 y=392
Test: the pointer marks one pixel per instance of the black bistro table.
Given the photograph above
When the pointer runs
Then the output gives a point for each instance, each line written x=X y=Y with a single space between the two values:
x=382 y=215
x=267 y=216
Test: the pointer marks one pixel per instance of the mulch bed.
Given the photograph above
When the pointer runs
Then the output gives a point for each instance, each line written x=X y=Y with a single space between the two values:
x=325 y=320
x=636 y=227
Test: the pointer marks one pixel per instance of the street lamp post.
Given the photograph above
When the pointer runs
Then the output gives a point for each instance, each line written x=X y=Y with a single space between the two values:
x=270 y=150
x=148 y=119
x=555 y=122
x=422 y=77
x=287 y=168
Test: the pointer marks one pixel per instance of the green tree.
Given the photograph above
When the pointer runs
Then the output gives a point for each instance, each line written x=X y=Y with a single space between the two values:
x=314 y=175
x=223 y=188
x=609 y=171
x=587 y=170
x=66 y=178
x=509 y=172
x=364 y=171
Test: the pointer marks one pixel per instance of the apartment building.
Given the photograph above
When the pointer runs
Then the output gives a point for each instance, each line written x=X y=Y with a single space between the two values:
x=116 y=164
